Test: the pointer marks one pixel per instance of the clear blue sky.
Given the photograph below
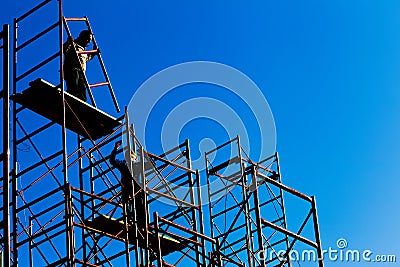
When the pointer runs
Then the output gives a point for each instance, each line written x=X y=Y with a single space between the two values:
x=329 y=70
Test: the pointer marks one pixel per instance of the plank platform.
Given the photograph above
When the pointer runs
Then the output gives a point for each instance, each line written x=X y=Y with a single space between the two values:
x=45 y=99
x=113 y=227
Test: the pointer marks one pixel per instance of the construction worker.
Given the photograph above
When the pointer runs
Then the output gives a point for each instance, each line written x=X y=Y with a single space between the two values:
x=75 y=64
x=130 y=188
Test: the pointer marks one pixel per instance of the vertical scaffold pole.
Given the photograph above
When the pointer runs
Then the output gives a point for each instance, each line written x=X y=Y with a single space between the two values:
x=258 y=216
x=245 y=203
x=93 y=205
x=6 y=143
x=125 y=203
x=14 y=150
x=316 y=230
x=147 y=213
x=278 y=168
x=81 y=197
x=192 y=196
x=68 y=197
x=30 y=241
x=157 y=238
x=201 y=218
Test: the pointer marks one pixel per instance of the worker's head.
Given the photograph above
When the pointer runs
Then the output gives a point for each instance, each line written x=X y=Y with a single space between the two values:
x=84 y=38
x=134 y=156
x=128 y=155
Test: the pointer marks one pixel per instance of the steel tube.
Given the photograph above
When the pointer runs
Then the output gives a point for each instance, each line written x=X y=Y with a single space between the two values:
x=278 y=168
x=284 y=187
x=75 y=19
x=185 y=229
x=6 y=143
x=258 y=216
x=14 y=157
x=103 y=69
x=32 y=10
x=220 y=146
x=38 y=66
x=158 y=243
x=172 y=198
x=44 y=127
x=316 y=230
x=171 y=163
x=289 y=233
x=37 y=36
x=97 y=84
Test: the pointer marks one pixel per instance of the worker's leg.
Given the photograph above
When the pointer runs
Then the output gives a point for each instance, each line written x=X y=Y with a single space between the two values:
x=81 y=93
x=129 y=207
x=75 y=81
x=71 y=76
x=140 y=210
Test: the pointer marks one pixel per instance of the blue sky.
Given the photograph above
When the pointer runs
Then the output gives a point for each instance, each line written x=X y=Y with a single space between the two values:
x=329 y=70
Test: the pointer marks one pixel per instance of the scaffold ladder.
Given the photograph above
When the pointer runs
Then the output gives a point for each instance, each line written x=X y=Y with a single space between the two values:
x=96 y=52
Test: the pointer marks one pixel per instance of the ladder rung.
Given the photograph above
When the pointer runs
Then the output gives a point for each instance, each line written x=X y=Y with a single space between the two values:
x=98 y=84
x=88 y=51
x=75 y=19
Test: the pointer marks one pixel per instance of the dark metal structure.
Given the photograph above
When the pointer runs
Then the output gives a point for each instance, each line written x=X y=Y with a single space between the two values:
x=62 y=202
x=248 y=214
x=5 y=156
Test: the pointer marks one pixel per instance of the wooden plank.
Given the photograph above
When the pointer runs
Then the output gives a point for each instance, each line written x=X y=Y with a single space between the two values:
x=45 y=99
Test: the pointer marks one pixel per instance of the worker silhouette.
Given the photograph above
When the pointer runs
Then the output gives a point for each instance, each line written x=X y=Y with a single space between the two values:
x=75 y=64
x=130 y=188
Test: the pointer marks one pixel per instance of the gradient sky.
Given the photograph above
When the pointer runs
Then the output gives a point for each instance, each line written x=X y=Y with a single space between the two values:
x=329 y=70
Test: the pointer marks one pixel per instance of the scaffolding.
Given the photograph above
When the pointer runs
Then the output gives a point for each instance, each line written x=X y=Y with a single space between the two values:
x=248 y=212
x=5 y=155
x=63 y=202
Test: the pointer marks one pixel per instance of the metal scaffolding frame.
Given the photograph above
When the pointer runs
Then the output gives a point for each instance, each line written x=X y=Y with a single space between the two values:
x=248 y=212
x=176 y=233
x=5 y=156
x=43 y=190
x=67 y=207
x=62 y=203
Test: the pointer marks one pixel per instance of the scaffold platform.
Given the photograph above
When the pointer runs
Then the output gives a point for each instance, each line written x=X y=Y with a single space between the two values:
x=114 y=227
x=44 y=98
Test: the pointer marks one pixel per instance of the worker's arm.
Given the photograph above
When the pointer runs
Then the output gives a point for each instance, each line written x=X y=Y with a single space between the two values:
x=91 y=55
x=68 y=44
x=116 y=163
